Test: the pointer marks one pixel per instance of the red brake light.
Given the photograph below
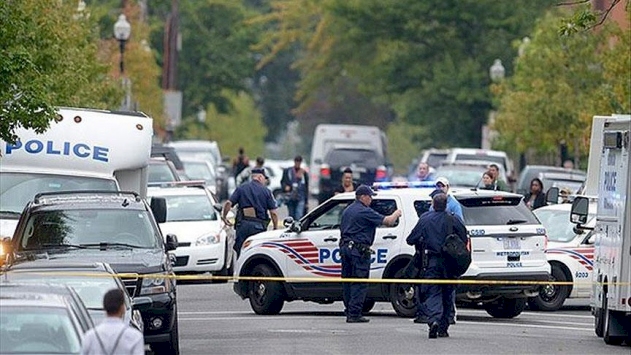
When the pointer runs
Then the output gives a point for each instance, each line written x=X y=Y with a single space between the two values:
x=380 y=174
x=325 y=172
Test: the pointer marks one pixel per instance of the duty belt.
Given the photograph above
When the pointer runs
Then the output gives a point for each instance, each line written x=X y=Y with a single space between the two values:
x=362 y=248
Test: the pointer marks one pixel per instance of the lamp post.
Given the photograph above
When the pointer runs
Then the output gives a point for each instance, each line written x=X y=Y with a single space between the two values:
x=122 y=31
x=496 y=72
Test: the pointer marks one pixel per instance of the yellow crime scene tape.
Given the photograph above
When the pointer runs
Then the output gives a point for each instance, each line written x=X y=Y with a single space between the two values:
x=316 y=280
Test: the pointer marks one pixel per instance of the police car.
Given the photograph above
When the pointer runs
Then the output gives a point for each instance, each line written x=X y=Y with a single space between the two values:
x=570 y=253
x=507 y=241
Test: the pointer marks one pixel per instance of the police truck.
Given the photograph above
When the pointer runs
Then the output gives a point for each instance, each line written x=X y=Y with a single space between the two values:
x=611 y=288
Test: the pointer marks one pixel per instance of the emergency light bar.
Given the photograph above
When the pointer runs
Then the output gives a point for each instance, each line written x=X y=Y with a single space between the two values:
x=404 y=185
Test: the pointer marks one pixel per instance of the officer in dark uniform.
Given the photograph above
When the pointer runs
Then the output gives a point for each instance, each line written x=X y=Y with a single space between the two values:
x=358 y=225
x=254 y=200
x=431 y=231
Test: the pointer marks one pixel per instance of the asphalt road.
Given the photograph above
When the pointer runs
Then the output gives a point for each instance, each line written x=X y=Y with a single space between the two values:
x=214 y=320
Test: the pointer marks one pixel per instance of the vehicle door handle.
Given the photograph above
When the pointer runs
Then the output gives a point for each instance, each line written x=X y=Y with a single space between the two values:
x=389 y=236
x=330 y=239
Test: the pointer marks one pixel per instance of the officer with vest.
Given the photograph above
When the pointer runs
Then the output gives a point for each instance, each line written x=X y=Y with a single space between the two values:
x=358 y=226
x=253 y=200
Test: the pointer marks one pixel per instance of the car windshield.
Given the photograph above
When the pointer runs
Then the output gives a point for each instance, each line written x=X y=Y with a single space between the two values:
x=89 y=227
x=557 y=223
x=571 y=185
x=345 y=157
x=435 y=159
x=160 y=172
x=91 y=289
x=190 y=208
x=17 y=189
x=493 y=211
x=461 y=177
x=37 y=330
x=199 y=171
x=493 y=158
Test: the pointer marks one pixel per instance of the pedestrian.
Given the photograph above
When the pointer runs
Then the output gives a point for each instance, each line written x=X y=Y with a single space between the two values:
x=240 y=162
x=431 y=230
x=358 y=225
x=453 y=206
x=487 y=181
x=245 y=174
x=295 y=183
x=535 y=198
x=423 y=172
x=568 y=164
x=113 y=335
x=347 y=185
x=498 y=183
x=253 y=201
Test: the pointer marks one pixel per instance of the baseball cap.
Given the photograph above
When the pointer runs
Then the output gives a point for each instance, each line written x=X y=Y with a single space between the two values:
x=364 y=190
x=442 y=180
x=259 y=171
x=436 y=192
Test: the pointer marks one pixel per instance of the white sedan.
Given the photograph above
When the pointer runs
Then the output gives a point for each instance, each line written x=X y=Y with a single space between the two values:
x=204 y=241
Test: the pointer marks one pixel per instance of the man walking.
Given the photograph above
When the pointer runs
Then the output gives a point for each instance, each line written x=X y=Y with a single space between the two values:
x=254 y=200
x=431 y=230
x=358 y=226
x=113 y=336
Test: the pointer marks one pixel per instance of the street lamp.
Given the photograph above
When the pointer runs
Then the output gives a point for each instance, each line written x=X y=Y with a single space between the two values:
x=201 y=115
x=122 y=31
x=497 y=71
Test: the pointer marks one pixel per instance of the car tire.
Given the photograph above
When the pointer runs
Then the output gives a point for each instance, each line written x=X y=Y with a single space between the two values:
x=173 y=346
x=551 y=297
x=266 y=297
x=506 y=307
x=368 y=306
x=402 y=297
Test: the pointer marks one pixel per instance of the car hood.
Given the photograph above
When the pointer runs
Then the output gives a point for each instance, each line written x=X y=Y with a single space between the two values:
x=191 y=230
x=121 y=260
x=269 y=235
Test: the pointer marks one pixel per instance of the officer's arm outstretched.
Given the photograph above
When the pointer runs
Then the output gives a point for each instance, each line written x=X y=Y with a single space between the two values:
x=392 y=219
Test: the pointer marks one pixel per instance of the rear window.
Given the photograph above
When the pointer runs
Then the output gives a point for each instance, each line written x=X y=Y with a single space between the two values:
x=362 y=157
x=435 y=159
x=495 y=159
x=493 y=211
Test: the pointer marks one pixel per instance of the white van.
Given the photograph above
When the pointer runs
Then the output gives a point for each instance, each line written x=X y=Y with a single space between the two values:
x=329 y=136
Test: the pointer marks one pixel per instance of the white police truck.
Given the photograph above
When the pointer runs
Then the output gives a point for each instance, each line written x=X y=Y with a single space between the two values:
x=611 y=290
x=507 y=243
x=83 y=149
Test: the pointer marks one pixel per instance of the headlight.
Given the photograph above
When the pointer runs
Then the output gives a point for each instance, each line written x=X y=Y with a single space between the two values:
x=208 y=239
x=153 y=285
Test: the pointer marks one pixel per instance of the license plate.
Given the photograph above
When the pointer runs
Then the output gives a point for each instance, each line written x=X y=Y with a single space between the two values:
x=511 y=243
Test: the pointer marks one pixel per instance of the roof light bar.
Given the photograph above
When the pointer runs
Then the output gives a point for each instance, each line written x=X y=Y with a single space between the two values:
x=404 y=185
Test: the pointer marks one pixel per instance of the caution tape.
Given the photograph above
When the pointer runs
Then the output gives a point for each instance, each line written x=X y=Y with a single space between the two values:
x=312 y=279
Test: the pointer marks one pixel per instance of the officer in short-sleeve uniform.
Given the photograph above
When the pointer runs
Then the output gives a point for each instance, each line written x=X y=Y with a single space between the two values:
x=358 y=225
x=253 y=200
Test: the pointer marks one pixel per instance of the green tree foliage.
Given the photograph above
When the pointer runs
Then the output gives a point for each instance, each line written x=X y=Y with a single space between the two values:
x=559 y=84
x=49 y=58
x=402 y=146
x=241 y=126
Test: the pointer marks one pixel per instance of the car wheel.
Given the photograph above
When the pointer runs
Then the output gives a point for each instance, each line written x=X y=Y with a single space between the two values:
x=506 y=307
x=551 y=297
x=173 y=346
x=402 y=297
x=368 y=306
x=266 y=297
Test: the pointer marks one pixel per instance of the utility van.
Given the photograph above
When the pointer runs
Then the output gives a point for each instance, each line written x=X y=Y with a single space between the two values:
x=83 y=149
x=331 y=136
x=611 y=287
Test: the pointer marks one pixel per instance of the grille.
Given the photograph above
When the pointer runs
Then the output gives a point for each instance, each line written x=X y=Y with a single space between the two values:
x=131 y=284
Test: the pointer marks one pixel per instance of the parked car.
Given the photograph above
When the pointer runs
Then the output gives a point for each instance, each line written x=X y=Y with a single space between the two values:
x=164 y=151
x=90 y=289
x=495 y=156
x=41 y=319
x=466 y=173
x=202 y=170
x=161 y=171
x=551 y=176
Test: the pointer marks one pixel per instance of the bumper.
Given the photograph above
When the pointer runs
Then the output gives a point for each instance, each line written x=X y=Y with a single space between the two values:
x=483 y=291
x=207 y=258
x=163 y=307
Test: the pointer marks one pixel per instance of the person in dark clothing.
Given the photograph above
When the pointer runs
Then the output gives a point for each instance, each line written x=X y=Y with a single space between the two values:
x=295 y=183
x=431 y=231
x=254 y=200
x=347 y=185
x=240 y=162
x=536 y=197
x=358 y=226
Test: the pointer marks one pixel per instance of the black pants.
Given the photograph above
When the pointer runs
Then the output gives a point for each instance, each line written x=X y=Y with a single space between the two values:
x=245 y=229
x=354 y=265
x=438 y=298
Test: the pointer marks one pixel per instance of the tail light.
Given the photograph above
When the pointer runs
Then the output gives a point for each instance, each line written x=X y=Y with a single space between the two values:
x=325 y=171
x=381 y=173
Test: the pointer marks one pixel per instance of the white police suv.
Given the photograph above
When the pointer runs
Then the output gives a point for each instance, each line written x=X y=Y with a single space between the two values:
x=507 y=242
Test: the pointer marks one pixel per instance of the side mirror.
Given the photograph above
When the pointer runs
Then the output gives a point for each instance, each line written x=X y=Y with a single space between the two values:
x=577 y=230
x=141 y=303
x=579 y=211
x=218 y=207
x=159 y=209
x=171 y=242
x=552 y=196
x=288 y=221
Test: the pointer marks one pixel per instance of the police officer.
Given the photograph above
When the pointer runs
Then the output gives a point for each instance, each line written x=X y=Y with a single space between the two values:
x=253 y=200
x=358 y=225
x=431 y=229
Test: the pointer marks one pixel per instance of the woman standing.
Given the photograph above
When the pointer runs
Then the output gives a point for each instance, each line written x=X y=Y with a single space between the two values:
x=536 y=197
x=487 y=181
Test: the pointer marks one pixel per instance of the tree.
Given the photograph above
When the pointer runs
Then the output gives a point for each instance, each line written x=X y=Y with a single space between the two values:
x=49 y=58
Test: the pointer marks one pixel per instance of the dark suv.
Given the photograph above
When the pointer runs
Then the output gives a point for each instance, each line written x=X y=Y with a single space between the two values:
x=368 y=167
x=118 y=228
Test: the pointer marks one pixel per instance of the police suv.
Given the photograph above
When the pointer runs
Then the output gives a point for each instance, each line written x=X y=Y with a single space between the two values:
x=507 y=243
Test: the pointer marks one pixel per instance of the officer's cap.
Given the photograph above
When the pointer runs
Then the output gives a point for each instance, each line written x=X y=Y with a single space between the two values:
x=259 y=171
x=364 y=190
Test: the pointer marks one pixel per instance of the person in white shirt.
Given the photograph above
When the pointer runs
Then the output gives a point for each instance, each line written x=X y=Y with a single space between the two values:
x=113 y=335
